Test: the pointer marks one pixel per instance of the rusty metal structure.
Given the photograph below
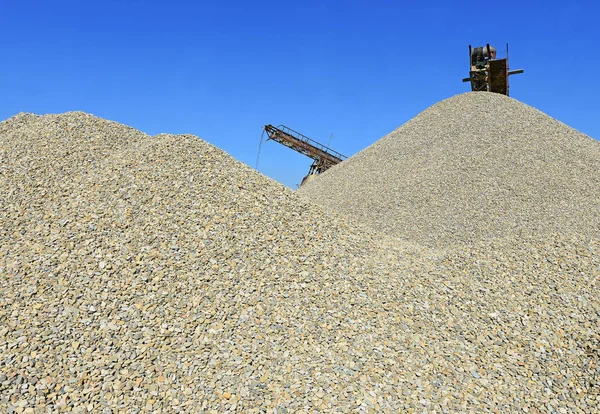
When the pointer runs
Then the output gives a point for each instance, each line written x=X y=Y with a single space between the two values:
x=488 y=73
x=323 y=156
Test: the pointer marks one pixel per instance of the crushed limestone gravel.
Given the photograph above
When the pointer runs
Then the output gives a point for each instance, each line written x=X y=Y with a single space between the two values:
x=158 y=274
x=472 y=167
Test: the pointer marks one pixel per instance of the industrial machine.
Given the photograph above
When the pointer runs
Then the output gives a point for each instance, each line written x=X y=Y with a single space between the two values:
x=488 y=73
x=323 y=156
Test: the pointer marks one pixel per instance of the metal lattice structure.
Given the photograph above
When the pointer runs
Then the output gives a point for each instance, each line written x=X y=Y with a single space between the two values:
x=323 y=156
x=489 y=74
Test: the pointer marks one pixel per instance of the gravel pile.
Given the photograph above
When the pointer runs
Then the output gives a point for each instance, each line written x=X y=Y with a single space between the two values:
x=158 y=274
x=472 y=167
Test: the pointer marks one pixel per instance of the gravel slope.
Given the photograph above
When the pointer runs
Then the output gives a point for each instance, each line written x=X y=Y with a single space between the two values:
x=472 y=167
x=158 y=274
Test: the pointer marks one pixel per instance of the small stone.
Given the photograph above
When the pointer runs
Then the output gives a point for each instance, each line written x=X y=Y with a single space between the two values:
x=244 y=392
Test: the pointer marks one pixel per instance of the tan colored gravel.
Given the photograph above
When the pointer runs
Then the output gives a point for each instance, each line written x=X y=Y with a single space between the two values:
x=158 y=274
x=472 y=167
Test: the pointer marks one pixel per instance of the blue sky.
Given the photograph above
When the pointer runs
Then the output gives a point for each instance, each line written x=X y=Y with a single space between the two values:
x=222 y=70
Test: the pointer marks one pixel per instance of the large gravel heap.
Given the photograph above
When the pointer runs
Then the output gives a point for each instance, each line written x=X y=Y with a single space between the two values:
x=158 y=274
x=472 y=167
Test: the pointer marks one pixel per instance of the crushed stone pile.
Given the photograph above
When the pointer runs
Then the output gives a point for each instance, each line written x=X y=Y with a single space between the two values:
x=158 y=274
x=472 y=167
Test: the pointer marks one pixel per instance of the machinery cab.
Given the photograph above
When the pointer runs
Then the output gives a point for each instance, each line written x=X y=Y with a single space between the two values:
x=480 y=56
x=487 y=73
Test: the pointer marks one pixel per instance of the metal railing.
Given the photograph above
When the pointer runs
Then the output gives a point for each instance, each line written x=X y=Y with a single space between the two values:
x=324 y=155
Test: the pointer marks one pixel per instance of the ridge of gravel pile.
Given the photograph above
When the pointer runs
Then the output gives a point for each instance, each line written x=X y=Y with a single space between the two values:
x=472 y=167
x=158 y=274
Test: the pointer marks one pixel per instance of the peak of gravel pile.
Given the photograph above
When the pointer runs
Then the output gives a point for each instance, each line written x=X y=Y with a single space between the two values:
x=158 y=274
x=472 y=167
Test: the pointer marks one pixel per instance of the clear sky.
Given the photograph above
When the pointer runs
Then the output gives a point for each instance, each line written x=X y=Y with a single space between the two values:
x=222 y=70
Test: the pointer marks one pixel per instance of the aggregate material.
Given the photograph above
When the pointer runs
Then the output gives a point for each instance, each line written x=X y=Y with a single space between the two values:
x=472 y=167
x=158 y=274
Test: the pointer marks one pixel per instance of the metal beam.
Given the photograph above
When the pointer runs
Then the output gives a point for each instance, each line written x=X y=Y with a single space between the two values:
x=324 y=156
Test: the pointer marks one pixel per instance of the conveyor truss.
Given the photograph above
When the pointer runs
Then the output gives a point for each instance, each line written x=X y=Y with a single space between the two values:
x=323 y=156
